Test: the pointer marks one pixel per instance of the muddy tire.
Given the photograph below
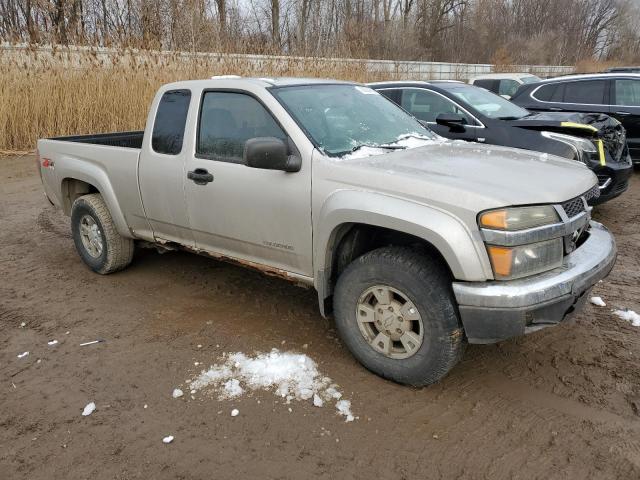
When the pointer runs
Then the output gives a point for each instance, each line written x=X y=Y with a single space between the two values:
x=95 y=236
x=395 y=311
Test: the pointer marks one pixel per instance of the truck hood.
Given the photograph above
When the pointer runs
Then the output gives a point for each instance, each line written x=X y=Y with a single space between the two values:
x=471 y=176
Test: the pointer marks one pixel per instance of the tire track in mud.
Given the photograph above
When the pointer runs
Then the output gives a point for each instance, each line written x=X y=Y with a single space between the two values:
x=58 y=226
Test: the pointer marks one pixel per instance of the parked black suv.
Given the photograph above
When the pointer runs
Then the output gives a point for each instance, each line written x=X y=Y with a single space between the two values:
x=459 y=111
x=623 y=70
x=616 y=94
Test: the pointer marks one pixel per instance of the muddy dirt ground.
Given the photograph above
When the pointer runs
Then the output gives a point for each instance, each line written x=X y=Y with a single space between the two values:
x=560 y=403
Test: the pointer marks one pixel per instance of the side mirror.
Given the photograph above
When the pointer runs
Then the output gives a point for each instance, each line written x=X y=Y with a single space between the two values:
x=270 y=153
x=452 y=120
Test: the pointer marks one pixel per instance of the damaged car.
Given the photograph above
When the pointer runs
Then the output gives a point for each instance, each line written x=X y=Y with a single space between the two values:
x=464 y=112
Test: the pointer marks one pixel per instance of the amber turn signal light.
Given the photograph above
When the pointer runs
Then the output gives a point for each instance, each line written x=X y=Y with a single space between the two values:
x=501 y=260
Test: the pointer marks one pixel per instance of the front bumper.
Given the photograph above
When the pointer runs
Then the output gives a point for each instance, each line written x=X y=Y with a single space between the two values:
x=613 y=180
x=496 y=310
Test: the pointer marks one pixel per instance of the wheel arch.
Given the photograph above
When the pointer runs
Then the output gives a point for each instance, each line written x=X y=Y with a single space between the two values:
x=354 y=223
x=77 y=184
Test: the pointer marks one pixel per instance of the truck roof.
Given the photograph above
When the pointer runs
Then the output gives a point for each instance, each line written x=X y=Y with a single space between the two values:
x=264 y=82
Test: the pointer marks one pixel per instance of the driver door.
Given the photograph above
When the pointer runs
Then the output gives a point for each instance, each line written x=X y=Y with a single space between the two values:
x=261 y=216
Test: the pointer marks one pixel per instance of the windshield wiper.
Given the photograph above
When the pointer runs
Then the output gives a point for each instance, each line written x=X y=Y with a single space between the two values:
x=511 y=117
x=385 y=146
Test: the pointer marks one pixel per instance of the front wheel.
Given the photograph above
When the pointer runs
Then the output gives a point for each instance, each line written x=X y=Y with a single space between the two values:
x=95 y=236
x=396 y=313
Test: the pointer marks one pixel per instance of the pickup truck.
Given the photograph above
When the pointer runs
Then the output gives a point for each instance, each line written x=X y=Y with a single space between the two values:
x=415 y=244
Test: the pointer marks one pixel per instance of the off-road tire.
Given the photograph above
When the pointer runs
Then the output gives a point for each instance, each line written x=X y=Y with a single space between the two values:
x=427 y=284
x=117 y=251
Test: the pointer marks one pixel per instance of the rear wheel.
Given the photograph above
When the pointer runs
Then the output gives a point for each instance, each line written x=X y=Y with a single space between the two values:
x=396 y=313
x=95 y=236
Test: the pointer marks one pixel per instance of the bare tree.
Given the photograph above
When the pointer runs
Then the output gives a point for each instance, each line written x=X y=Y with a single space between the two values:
x=521 y=31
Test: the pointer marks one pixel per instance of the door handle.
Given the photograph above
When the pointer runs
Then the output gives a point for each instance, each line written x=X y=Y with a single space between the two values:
x=200 y=176
x=622 y=114
x=555 y=109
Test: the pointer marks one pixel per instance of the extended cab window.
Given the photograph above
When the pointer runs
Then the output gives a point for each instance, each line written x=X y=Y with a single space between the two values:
x=171 y=117
x=426 y=105
x=227 y=121
x=628 y=93
x=591 y=91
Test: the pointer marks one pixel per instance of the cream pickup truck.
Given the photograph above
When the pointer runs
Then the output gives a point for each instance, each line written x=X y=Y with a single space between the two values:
x=415 y=244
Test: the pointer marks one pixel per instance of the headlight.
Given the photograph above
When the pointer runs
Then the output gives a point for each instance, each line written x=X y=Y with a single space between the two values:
x=580 y=146
x=516 y=262
x=519 y=218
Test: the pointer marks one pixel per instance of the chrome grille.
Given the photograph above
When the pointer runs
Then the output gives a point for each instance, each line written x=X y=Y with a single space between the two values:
x=593 y=193
x=576 y=206
x=573 y=207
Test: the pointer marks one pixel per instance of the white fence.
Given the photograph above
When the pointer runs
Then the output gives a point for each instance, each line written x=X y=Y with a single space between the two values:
x=79 y=57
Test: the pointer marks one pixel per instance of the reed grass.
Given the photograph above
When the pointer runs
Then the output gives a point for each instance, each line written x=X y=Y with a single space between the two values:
x=58 y=95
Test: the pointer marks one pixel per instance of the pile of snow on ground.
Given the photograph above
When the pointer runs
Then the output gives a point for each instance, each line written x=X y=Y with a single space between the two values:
x=292 y=376
x=630 y=316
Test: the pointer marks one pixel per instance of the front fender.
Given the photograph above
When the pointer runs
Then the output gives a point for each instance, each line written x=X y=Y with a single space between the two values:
x=78 y=169
x=465 y=256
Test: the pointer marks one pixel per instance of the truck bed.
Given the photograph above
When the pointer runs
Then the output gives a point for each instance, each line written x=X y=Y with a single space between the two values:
x=132 y=139
x=108 y=161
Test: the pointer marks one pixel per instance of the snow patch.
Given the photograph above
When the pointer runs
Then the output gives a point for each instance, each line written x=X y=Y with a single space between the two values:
x=344 y=408
x=630 y=316
x=52 y=343
x=177 y=393
x=235 y=412
x=232 y=388
x=365 y=152
x=23 y=354
x=598 y=301
x=89 y=409
x=292 y=376
x=409 y=141
x=168 y=439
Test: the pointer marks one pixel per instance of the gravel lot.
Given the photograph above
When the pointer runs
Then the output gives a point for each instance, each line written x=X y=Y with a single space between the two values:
x=560 y=403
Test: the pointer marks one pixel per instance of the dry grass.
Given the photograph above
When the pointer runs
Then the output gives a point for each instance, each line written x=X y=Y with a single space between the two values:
x=595 y=66
x=48 y=92
x=42 y=97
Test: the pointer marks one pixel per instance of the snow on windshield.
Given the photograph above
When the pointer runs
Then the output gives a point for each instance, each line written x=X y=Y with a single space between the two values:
x=408 y=141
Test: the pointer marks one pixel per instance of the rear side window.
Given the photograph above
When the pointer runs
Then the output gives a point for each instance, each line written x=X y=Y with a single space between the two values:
x=550 y=93
x=508 y=87
x=491 y=85
x=586 y=91
x=628 y=93
x=171 y=118
x=227 y=121
x=392 y=94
